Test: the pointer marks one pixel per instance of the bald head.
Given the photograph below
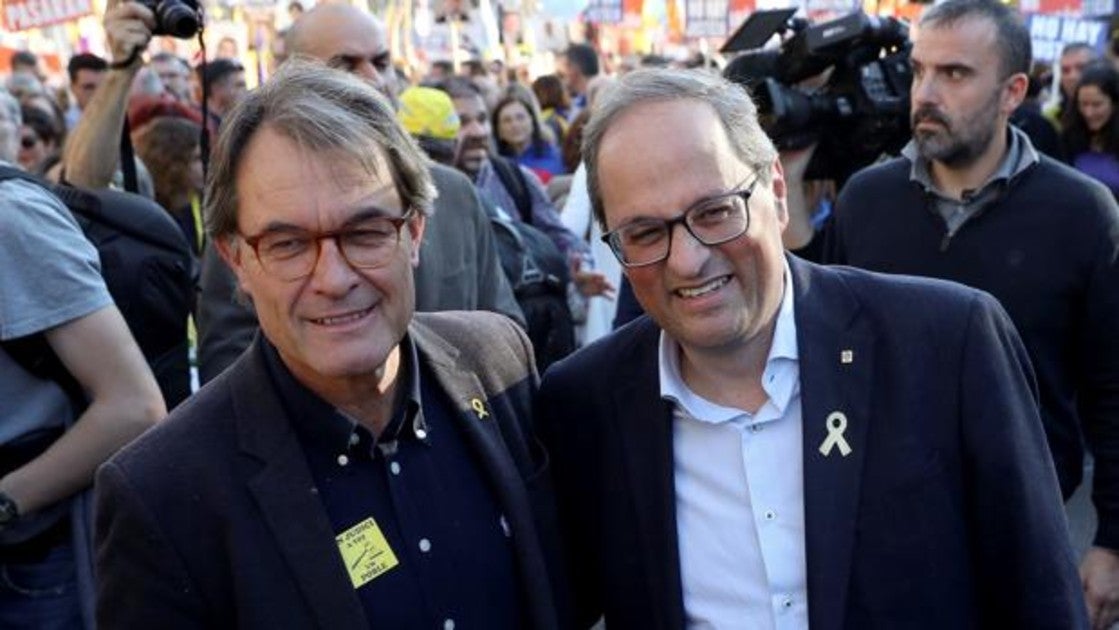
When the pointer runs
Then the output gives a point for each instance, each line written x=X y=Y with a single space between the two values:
x=347 y=38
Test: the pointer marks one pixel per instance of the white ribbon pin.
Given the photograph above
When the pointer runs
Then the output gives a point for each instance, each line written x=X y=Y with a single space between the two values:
x=837 y=424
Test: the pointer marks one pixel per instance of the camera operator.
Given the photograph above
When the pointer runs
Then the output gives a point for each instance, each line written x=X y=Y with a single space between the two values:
x=972 y=201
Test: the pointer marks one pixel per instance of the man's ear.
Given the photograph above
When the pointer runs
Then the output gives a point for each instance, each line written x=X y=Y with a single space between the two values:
x=780 y=195
x=1016 y=87
x=233 y=254
x=416 y=228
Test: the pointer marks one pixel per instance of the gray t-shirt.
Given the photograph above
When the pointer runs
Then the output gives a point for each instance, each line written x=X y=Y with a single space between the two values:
x=49 y=275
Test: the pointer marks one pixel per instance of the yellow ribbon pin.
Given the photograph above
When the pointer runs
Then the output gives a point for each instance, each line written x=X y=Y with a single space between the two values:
x=837 y=424
x=479 y=407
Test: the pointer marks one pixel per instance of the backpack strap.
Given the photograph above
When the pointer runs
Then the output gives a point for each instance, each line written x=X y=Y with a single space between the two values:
x=511 y=176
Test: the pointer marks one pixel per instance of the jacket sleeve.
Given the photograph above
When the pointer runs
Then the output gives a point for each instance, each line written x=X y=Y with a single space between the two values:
x=1024 y=562
x=141 y=579
x=1097 y=352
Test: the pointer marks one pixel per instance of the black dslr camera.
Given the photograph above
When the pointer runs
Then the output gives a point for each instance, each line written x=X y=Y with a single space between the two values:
x=177 y=18
x=862 y=109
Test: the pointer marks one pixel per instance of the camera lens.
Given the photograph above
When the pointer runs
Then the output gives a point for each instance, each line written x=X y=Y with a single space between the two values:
x=177 y=18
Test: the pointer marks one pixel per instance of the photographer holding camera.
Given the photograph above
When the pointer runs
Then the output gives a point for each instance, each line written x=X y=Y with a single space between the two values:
x=972 y=201
x=91 y=155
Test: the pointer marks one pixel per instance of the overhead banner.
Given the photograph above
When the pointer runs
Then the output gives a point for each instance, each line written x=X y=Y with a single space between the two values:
x=706 y=18
x=21 y=15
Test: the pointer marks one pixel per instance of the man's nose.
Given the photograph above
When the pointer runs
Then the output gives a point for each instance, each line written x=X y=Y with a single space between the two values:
x=923 y=90
x=332 y=273
x=686 y=254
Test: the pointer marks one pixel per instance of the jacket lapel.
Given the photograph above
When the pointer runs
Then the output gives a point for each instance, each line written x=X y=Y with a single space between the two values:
x=836 y=368
x=284 y=491
x=644 y=424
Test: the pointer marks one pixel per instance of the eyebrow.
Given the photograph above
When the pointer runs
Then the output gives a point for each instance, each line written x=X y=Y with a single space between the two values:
x=366 y=213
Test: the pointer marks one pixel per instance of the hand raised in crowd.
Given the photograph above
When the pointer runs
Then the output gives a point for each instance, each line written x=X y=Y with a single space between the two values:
x=128 y=29
x=593 y=283
x=1099 y=574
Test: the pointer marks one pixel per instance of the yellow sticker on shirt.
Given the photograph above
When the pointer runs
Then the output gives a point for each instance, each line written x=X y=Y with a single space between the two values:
x=366 y=552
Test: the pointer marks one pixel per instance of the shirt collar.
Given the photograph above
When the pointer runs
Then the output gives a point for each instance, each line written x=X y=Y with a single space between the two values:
x=1020 y=155
x=320 y=424
x=783 y=353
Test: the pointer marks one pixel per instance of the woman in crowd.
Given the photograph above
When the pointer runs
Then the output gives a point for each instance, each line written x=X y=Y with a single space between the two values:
x=169 y=146
x=1091 y=135
x=520 y=135
x=40 y=138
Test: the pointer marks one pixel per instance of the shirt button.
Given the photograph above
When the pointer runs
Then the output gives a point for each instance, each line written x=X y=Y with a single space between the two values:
x=770 y=515
x=395 y=468
x=425 y=545
x=756 y=428
x=448 y=624
x=787 y=602
x=343 y=460
x=421 y=434
x=354 y=439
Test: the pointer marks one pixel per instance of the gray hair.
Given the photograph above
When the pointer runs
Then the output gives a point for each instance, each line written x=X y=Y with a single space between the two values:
x=321 y=110
x=730 y=101
x=10 y=121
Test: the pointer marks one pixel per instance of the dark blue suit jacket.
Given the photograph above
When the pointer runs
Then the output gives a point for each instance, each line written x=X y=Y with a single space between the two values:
x=211 y=519
x=946 y=514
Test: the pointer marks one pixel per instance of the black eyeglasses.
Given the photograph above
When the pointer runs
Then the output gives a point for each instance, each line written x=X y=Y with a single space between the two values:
x=292 y=253
x=712 y=221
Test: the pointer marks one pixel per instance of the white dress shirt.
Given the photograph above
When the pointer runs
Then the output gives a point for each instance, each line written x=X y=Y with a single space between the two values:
x=740 y=494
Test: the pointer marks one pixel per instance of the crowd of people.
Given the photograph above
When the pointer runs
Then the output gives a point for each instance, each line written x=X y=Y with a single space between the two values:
x=475 y=350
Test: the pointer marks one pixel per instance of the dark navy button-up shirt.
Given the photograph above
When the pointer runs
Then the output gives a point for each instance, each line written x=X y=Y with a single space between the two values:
x=446 y=559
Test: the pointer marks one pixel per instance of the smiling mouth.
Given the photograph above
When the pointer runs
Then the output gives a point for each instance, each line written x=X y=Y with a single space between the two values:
x=702 y=290
x=338 y=320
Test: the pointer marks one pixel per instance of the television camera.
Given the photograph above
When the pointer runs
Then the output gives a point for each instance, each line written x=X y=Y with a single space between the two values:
x=843 y=84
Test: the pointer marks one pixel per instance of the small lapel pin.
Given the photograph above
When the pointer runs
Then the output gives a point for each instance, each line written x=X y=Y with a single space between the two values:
x=836 y=425
x=479 y=407
x=847 y=357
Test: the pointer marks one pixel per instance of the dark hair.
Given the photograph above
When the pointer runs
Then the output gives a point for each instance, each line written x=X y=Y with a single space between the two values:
x=1076 y=136
x=539 y=143
x=85 y=61
x=43 y=123
x=584 y=57
x=1011 y=36
x=213 y=71
x=444 y=66
x=166 y=145
x=1077 y=47
x=573 y=141
x=24 y=58
x=550 y=92
x=459 y=87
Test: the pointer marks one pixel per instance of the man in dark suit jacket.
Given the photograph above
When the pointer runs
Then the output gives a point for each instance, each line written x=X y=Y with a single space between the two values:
x=358 y=466
x=777 y=444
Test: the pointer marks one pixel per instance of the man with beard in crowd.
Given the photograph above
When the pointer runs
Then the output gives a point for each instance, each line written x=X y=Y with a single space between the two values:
x=972 y=201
